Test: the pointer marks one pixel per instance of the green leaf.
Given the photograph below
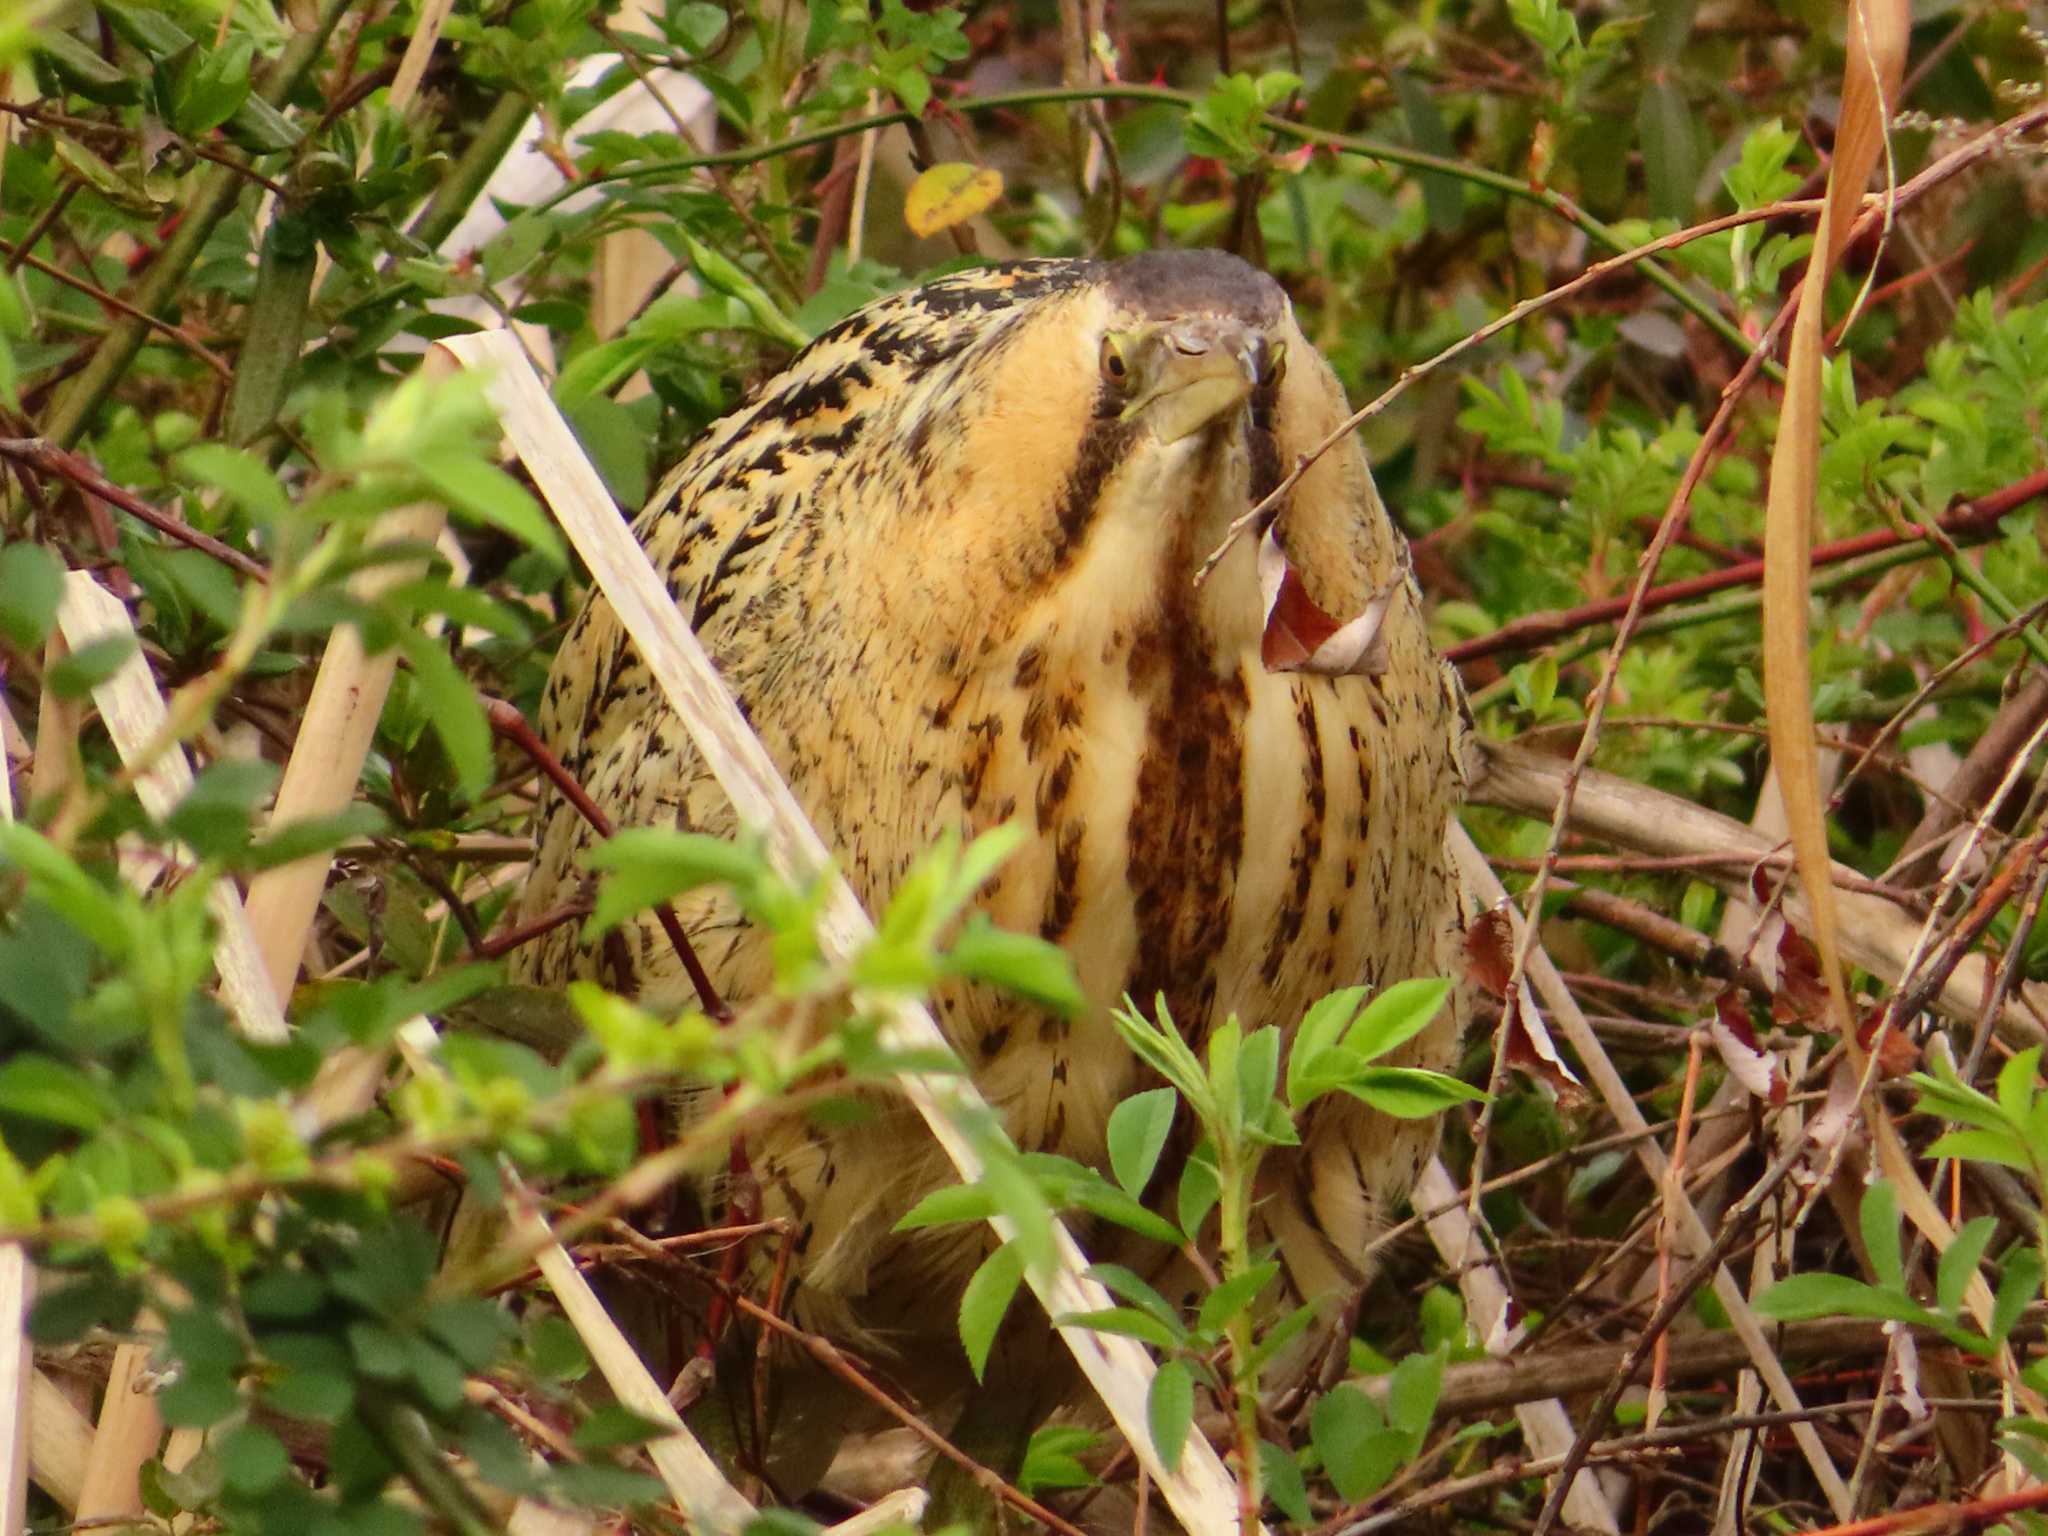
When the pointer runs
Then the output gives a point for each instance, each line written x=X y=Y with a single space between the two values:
x=2016 y=1084
x=2019 y=1285
x=1222 y=1305
x=1258 y=1074
x=512 y=249
x=650 y=865
x=1322 y=1027
x=252 y=1460
x=217 y=812
x=1053 y=1459
x=1135 y=1289
x=1798 y=1297
x=728 y=277
x=1128 y=1321
x=2000 y=1147
x=1022 y=963
x=55 y=877
x=260 y=128
x=1396 y=1016
x=1160 y=1047
x=1345 y=1427
x=308 y=835
x=31 y=586
x=80 y=69
x=1959 y=1262
x=1670 y=154
x=1442 y=196
x=209 y=85
x=1199 y=1190
x=198 y=1399
x=484 y=492
x=1284 y=1485
x=1138 y=1128
x=473 y=1328
x=240 y=475
x=1408 y=1093
x=89 y=666
x=1098 y=1197
x=1169 y=1411
x=1879 y=1220
x=452 y=706
x=1275 y=1339
x=986 y=1300
x=67 y=1312
x=1664 y=37
x=611 y=1426
x=39 y=1087
x=1412 y=1393
x=103 y=178
x=554 y=1349
x=955 y=1202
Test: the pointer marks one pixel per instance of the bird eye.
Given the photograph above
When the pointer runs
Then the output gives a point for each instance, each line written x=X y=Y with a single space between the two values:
x=1116 y=364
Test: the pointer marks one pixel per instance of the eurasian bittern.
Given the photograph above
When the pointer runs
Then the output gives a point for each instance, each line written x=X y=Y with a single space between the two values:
x=946 y=562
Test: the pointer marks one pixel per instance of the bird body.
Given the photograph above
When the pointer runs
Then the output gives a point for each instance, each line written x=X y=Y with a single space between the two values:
x=945 y=562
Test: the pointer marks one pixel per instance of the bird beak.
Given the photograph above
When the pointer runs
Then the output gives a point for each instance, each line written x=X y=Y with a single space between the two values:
x=1197 y=372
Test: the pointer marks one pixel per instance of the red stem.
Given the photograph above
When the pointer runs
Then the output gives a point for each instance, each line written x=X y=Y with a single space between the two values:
x=1971 y=519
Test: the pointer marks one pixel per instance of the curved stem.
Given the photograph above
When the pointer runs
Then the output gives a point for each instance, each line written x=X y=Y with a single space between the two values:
x=1546 y=198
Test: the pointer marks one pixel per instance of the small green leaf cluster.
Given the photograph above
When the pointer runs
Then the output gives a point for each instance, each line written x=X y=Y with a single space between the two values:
x=1225 y=126
x=1242 y=1104
x=903 y=50
x=2007 y=1127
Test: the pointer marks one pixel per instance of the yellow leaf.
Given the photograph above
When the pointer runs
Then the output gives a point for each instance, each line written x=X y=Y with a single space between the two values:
x=946 y=194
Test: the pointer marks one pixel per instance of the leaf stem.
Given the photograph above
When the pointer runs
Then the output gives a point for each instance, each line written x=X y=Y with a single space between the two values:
x=216 y=194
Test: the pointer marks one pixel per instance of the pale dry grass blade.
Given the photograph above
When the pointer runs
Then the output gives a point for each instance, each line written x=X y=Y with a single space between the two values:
x=530 y=1517
x=1546 y=1427
x=59 y=1442
x=17 y=1293
x=700 y=1490
x=905 y=1507
x=58 y=721
x=128 y=1433
x=134 y=714
x=17 y=1372
x=334 y=738
x=1201 y=1492
x=1877 y=31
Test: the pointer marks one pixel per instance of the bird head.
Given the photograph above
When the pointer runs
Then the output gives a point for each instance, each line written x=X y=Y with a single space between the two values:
x=1077 y=435
x=1183 y=377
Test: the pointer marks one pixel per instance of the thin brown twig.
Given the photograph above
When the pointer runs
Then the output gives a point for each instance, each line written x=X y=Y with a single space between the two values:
x=1674 y=519
x=840 y=1364
x=1991 y=899
x=19 y=255
x=1630 y=863
x=44 y=220
x=1673 y=1193
x=509 y=723
x=1519 y=1470
x=505 y=940
x=45 y=457
x=1733 y=1225
x=29 y=112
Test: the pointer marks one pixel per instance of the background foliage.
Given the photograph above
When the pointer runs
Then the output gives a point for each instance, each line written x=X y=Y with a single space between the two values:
x=227 y=242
